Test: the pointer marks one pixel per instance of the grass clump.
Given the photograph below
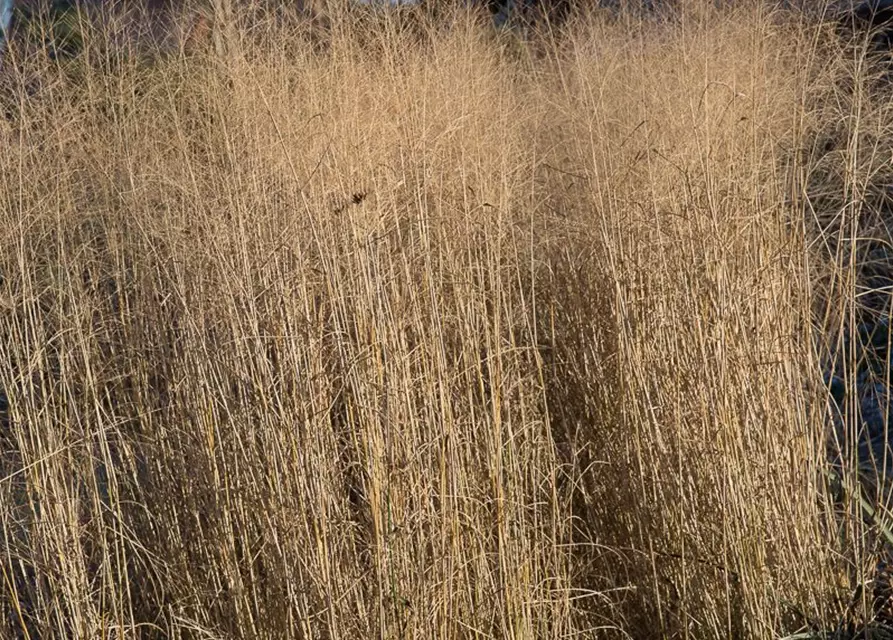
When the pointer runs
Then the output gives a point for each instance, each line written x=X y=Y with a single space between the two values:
x=419 y=331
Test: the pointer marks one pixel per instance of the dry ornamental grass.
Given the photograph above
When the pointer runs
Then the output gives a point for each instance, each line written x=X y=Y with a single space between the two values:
x=424 y=330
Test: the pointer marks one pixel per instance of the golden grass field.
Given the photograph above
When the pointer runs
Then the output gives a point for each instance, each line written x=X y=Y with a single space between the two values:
x=428 y=331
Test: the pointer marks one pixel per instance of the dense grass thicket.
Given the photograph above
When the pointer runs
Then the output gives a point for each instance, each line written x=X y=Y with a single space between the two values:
x=414 y=329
